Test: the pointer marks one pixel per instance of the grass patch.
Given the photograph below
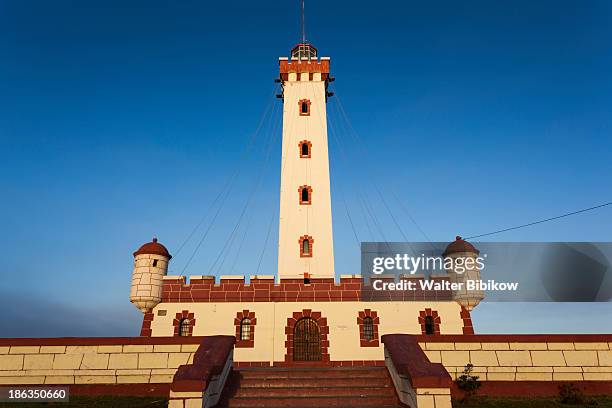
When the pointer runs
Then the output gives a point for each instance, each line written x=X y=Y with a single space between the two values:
x=97 y=402
x=508 y=402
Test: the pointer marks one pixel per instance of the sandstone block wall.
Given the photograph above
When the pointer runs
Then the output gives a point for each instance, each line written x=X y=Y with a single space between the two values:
x=524 y=357
x=93 y=360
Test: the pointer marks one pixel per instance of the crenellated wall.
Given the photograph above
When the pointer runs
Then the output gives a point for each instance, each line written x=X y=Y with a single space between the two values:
x=264 y=289
x=290 y=68
x=218 y=307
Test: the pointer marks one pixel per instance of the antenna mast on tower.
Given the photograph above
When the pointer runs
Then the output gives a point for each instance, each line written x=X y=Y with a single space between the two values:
x=303 y=25
x=304 y=50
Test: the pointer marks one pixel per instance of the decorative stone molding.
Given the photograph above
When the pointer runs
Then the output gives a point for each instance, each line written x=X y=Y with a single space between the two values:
x=177 y=322
x=240 y=316
x=436 y=320
x=323 y=332
x=364 y=342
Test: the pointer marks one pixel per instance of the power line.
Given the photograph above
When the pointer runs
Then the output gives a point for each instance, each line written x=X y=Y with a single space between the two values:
x=361 y=144
x=541 y=221
x=225 y=250
x=229 y=181
x=228 y=187
x=263 y=250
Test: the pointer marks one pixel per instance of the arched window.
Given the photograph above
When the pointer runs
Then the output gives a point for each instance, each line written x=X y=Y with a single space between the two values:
x=430 y=321
x=368 y=322
x=305 y=195
x=245 y=329
x=183 y=323
x=245 y=322
x=368 y=328
x=306 y=242
x=429 y=325
x=306 y=247
x=184 y=327
x=305 y=149
x=304 y=106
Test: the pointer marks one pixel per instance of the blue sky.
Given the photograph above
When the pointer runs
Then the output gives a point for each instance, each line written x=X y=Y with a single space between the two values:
x=120 y=120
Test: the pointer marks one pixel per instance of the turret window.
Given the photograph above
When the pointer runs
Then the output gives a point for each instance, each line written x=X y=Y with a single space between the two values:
x=305 y=193
x=305 y=149
x=306 y=242
x=304 y=106
x=155 y=262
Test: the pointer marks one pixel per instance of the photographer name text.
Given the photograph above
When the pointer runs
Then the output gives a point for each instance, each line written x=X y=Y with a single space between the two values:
x=438 y=285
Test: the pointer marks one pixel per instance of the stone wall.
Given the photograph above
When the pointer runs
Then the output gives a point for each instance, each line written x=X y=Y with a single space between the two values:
x=271 y=338
x=571 y=357
x=204 y=289
x=94 y=361
x=508 y=365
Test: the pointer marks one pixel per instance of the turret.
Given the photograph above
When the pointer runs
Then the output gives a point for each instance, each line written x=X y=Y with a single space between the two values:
x=464 y=270
x=150 y=266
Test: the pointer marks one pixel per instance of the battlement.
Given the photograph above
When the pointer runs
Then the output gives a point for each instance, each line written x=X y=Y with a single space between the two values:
x=260 y=288
x=294 y=69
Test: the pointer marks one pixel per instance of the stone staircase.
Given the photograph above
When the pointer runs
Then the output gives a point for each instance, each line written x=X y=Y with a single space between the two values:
x=309 y=387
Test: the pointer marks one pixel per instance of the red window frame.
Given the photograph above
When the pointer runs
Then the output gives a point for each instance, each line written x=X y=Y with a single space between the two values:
x=300 y=103
x=303 y=142
x=309 y=201
x=310 y=243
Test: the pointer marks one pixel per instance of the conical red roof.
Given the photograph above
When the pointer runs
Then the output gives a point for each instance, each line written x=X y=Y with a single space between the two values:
x=153 y=248
x=460 y=245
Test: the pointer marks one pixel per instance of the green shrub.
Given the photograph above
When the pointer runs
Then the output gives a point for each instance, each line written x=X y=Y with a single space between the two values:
x=468 y=383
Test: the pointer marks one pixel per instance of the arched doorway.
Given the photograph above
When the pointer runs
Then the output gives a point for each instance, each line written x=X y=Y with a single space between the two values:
x=306 y=340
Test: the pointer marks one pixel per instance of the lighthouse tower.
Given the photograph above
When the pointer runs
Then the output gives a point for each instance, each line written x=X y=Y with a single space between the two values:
x=305 y=247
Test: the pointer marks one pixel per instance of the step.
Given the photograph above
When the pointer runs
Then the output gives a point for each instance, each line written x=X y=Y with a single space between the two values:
x=313 y=402
x=374 y=372
x=313 y=382
x=295 y=392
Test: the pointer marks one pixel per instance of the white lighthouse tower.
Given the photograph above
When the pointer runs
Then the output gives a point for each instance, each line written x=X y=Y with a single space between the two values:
x=305 y=247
